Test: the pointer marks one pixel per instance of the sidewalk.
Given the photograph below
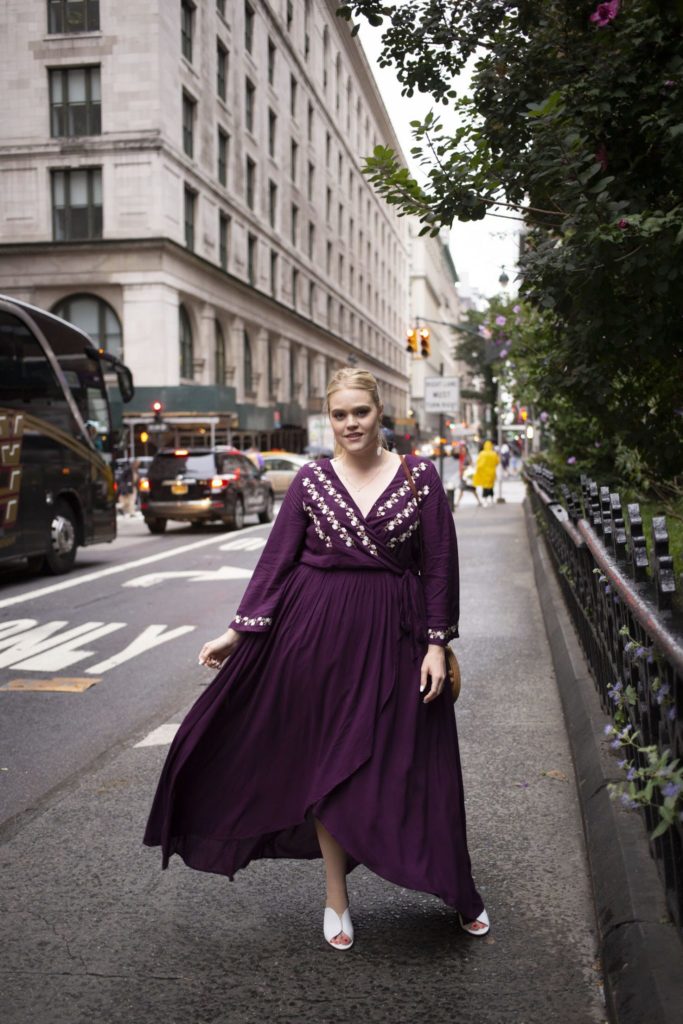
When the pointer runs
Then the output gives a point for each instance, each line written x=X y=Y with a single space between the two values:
x=94 y=932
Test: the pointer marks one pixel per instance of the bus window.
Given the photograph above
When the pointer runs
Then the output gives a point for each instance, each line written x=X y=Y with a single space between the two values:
x=26 y=376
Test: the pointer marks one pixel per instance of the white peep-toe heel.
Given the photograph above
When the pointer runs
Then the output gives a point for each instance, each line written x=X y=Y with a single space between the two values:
x=477 y=932
x=334 y=924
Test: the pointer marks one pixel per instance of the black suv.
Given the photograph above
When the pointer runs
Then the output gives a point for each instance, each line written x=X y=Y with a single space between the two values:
x=196 y=485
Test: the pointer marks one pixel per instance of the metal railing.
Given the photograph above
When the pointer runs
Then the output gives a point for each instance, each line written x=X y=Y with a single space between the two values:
x=627 y=623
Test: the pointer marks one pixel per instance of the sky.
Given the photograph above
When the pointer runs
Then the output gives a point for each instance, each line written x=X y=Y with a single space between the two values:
x=479 y=248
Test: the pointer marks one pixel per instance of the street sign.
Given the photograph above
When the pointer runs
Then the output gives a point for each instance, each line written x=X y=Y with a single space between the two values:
x=442 y=394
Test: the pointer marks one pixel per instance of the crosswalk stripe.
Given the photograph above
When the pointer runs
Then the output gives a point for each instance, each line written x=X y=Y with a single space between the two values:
x=161 y=736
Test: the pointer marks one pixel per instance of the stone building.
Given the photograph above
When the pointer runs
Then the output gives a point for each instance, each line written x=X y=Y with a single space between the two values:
x=182 y=178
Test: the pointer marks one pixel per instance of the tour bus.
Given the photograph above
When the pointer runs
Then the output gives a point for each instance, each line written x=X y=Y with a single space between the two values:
x=57 y=440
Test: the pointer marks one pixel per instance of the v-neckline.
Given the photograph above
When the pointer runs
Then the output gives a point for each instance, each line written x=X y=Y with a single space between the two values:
x=353 y=500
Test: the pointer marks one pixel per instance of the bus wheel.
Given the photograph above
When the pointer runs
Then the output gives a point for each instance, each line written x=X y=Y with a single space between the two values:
x=61 y=553
x=156 y=525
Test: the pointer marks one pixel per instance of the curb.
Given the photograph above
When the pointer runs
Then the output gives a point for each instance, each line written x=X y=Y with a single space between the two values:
x=640 y=949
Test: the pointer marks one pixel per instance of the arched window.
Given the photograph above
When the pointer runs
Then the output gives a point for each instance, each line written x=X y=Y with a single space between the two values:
x=219 y=355
x=96 y=317
x=186 y=345
x=248 y=365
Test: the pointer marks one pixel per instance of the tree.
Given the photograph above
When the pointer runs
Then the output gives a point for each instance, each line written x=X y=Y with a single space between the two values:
x=574 y=124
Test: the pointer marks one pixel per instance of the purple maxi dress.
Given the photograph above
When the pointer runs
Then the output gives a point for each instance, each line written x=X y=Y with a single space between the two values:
x=318 y=713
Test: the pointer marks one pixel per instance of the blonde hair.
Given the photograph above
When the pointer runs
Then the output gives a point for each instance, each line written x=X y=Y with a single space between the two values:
x=359 y=380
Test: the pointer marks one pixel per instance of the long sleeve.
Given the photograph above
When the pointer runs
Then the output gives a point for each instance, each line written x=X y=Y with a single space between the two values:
x=259 y=604
x=440 y=574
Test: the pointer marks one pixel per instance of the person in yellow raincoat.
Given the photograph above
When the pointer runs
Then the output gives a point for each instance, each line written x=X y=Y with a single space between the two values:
x=485 y=472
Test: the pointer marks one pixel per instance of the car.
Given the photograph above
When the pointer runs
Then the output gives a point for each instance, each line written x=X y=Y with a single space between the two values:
x=281 y=468
x=201 y=485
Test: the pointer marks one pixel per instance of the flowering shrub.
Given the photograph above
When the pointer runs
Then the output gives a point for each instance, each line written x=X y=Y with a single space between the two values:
x=605 y=13
x=652 y=779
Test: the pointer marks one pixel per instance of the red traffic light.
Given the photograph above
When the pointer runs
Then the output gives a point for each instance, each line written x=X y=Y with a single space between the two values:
x=157 y=407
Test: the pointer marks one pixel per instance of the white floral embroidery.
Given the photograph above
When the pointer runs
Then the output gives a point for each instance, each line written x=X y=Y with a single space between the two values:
x=395 y=541
x=402 y=518
x=402 y=491
x=258 y=620
x=442 y=634
x=327 y=512
x=317 y=527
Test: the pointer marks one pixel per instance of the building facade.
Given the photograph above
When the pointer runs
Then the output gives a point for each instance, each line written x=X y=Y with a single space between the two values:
x=183 y=180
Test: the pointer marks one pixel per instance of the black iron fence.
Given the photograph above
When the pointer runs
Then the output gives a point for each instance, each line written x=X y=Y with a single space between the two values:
x=621 y=600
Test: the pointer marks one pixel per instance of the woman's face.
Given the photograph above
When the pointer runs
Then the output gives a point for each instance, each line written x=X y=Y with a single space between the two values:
x=355 y=420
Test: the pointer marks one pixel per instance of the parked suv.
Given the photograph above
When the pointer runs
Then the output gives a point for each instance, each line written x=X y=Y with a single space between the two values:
x=197 y=485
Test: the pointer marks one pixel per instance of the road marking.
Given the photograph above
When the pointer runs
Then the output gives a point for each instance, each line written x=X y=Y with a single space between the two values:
x=226 y=572
x=69 y=651
x=99 y=574
x=150 y=637
x=161 y=736
x=59 y=684
x=244 y=544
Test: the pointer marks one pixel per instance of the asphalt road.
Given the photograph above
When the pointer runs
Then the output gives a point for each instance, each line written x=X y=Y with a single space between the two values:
x=92 y=932
x=127 y=624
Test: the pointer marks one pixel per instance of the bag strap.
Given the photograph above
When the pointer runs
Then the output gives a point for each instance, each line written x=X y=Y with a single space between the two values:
x=411 y=484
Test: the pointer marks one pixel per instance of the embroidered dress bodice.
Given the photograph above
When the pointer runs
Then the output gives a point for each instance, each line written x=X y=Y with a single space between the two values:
x=364 y=498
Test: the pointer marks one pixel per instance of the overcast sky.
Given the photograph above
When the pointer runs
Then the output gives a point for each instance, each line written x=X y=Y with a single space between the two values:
x=479 y=248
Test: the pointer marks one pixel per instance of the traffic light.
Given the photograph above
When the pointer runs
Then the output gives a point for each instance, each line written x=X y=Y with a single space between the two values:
x=157 y=409
x=425 y=335
x=411 y=336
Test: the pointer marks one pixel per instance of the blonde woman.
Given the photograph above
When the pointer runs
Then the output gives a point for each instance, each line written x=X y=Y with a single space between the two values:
x=327 y=730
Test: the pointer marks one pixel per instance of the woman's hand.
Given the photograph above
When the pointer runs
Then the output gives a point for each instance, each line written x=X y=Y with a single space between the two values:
x=214 y=653
x=433 y=671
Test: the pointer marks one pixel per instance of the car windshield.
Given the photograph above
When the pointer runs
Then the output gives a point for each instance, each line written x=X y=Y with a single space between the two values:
x=197 y=466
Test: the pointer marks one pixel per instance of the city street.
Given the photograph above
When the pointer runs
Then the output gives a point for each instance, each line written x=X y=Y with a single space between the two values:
x=94 y=931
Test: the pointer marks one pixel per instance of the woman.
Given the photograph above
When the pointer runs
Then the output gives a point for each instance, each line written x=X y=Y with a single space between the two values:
x=485 y=471
x=327 y=730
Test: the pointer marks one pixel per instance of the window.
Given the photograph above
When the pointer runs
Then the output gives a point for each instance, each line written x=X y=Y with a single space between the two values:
x=311 y=299
x=273 y=273
x=222 y=157
x=221 y=69
x=311 y=239
x=293 y=159
x=223 y=239
x=73 y=15
x=293 y=382
x=77 y=204
x=252 y=270
x=248 y=27
x=340 y=220
x=272 y=132
x=337 y=85
x=340 y=168
x=328 y=149
x=220 y=7
x=328 y=204
x=96 y=317
x=219 y=355
x=311 y=180
x=186 y=28
x=186 y=344
x=328 y=258
x=326 y=53
x=329 y=311
x=75 y=106
x=307 y=27
x=271 y=374
x=188 y=124
x=272 y=203
x=251 y=183
x=295 y=286
x=249 y=99
x=248 y=365
x=293 y=86
x=310 y=122
x=295 y=223
x=190 y=198
x=290 y=15
x=271 y=62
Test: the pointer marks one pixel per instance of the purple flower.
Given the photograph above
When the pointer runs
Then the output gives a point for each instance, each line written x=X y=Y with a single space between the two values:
x=608 y=730
x=598 y=444
x=627 y=802
x=631 y=774
x=501 y=320
x=608 y=589
x=518 y=309
x=623 y=224
x=544 y=417
x=615 y=744
x=669 y=83
x=639 y=652
x=671 y=789
x=622 y=764
x=571 y=460
x=503 y=353
x=604 y=13
x=671 y=714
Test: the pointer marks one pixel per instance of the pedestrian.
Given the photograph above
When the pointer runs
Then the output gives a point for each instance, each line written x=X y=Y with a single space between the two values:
x=505 y=458
x=465 y=474
x=127 y=488
x=485 y=471
x=327 y=730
